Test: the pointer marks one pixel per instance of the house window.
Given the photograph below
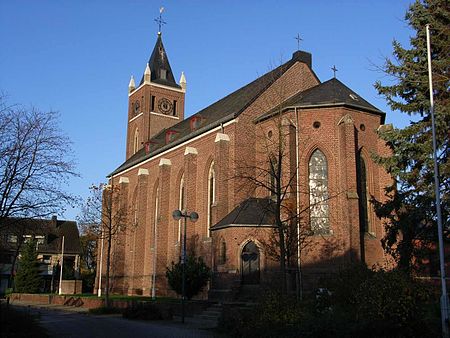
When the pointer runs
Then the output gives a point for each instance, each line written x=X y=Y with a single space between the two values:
x=363 y=196
x=27 y=238
x=40 y=240
x=318 y=193
x=12 y=238
x=181 y=205
x=211 y=196
x=47 y=259
x=136 y=141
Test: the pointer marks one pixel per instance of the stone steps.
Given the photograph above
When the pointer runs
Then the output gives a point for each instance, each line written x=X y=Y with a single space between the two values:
x=208 y=319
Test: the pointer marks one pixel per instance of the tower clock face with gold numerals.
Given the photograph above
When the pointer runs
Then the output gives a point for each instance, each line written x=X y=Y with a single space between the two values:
x=165 y=106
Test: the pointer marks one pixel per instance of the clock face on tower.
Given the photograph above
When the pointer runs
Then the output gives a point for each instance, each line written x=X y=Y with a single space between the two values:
x=165 y=106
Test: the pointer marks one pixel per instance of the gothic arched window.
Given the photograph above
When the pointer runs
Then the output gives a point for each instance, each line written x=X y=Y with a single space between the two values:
x=211 y=195
x=318 y=193
x=223 y=252
x=363 y=196
x=136 y=141
x=181 y=205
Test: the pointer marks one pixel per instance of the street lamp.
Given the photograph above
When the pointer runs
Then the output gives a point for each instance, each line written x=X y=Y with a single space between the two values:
x=193 y=216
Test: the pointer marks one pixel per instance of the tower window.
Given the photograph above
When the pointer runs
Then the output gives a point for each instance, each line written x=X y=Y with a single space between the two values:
x=163 y=73
x=153 y=102
x=136 y=141
x=175 y=108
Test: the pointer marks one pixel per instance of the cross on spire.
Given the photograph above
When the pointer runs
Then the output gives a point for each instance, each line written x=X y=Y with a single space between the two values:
x=334 y=69
x=160 y=20
x=298 y=38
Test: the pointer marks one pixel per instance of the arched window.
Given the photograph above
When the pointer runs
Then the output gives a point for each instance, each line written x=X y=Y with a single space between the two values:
x=155 y=242
x=273 y=173
x=211 y=195
x=318 y=193
x=181 y=205
x=136 y=141
x=222 y=252
x=363 y=196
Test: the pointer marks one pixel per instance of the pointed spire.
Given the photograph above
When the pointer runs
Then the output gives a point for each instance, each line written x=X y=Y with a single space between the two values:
x=131 y=85
x=147 y=74
x=183 y=81
x=160 y=71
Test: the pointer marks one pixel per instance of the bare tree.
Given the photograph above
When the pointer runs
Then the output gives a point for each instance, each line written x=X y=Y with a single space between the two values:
x=35 y=164
x=271 y=169
x=104 y=216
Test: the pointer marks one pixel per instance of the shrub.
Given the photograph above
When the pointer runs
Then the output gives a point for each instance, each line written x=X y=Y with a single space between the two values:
x=197 y=276
x=274 y=316
x=146 y=311
x=379 y=303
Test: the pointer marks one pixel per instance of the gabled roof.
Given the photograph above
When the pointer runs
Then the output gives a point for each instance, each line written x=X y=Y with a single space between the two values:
x=219 y=112
x=53 y=230
x=330 y=93
x=159 y=63
x=253 y=212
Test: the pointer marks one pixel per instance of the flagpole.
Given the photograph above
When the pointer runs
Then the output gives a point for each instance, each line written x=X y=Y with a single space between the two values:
x=444 y=297
x=61 y=271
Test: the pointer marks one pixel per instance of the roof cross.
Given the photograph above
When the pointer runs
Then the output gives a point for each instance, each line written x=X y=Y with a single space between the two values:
x=334 y=69
x=160 y=20
x=298 y=38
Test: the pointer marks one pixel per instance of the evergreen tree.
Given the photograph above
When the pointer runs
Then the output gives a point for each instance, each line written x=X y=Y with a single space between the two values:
x=27 y=279
x=197 y=276
x=411 y=211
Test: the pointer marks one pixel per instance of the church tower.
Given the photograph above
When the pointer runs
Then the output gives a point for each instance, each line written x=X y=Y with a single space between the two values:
x=157 y=103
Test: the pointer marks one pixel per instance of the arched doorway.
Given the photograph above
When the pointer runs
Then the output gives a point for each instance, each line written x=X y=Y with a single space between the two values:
x=250 y=263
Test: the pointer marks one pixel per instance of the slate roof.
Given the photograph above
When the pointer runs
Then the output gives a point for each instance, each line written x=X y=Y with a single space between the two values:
x=159 y=61
x=219 y=112
x=330 y=93
x=253 y=212
x=53 y=230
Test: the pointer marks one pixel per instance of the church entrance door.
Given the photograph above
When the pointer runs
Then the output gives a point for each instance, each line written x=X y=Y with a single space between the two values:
x=250 y=264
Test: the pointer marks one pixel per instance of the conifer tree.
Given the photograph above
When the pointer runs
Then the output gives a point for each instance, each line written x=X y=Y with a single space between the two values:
x=411 y=210
x=28 y=279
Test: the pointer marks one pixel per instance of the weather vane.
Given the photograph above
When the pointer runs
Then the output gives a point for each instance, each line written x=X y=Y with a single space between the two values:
x=334 y=69
x=160 y=20
x=298 y=38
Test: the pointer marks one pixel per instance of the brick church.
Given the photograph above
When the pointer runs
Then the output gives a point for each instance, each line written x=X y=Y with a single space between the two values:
x=212 y=162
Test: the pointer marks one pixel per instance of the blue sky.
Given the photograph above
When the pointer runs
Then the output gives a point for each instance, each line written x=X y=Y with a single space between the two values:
x=76 y=57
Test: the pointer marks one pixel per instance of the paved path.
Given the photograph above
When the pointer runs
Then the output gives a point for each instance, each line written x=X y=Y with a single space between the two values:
x=60 y=323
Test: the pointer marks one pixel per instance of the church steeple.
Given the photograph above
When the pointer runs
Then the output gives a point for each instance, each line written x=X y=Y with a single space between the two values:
x=160 y=70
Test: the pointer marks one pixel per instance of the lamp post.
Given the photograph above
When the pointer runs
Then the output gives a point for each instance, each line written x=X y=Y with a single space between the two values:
x=193 y=216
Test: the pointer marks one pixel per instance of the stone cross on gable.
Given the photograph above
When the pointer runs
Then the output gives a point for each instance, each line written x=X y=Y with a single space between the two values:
x=160 y=20
x=298 y=38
